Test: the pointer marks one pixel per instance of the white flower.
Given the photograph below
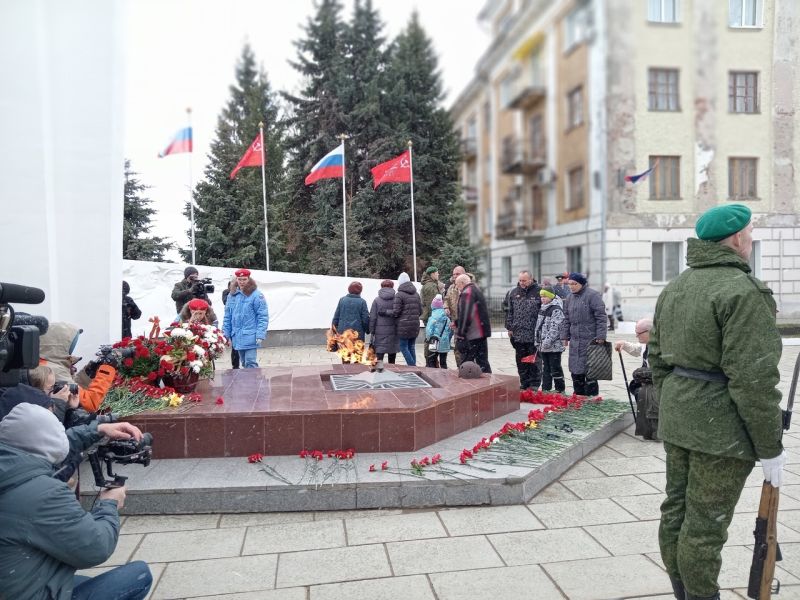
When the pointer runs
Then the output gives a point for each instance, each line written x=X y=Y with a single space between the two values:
x=196 y=369
x=199 y=350
x=180 y=333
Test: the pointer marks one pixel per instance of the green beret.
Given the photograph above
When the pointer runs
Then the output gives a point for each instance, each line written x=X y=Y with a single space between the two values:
x=431 y=269
x=721 y=221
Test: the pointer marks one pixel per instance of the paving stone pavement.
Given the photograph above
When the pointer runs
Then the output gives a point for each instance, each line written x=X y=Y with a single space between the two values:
x=591 y=535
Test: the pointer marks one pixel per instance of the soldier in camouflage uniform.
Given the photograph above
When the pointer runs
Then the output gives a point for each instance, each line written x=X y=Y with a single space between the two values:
x=714 y=352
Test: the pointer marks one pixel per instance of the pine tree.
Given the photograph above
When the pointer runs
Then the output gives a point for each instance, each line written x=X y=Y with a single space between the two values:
x=229 y=219
x=137 y=243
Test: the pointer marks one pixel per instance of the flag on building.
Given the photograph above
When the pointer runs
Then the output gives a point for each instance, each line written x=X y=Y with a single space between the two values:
x=634 y=179
x=331 y=165
x=396 y=170
x=182 y=142
x=251 y=158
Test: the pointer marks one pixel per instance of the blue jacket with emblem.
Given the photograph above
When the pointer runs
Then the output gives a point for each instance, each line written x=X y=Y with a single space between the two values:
x=246 y=317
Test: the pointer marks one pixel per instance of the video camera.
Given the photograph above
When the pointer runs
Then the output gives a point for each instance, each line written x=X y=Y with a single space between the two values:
x=108 y=355
x=122 y=452
x=19 y=335
x=203 y=287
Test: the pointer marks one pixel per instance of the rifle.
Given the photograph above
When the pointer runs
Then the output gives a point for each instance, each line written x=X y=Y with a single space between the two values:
x=766 y=550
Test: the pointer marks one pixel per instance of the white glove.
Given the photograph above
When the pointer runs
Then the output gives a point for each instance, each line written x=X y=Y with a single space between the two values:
x=773 y=469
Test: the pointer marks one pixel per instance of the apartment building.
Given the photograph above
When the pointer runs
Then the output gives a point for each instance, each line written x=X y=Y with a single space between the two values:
x=572 y=96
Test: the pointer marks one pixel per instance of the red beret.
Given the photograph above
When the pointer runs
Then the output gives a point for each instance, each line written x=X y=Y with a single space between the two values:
x=242 y=273
x=198 y=304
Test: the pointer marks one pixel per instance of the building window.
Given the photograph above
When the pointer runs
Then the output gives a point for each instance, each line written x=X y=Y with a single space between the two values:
x=487 y=115
x=472 y=129
x=666 y=261
x=574 y=198
x=663 y=11
x=474 y=234
x=742 y=92
x=755 y=259
x=506 y=90
x=487 y=176
x=575 y=28
x=662 y=88
x=575 y=259
x=536 y=136
x=665 y=180
x=745 y=13
x=575 y=107
x=536 y=265
x=742 y=178
x=505 y=270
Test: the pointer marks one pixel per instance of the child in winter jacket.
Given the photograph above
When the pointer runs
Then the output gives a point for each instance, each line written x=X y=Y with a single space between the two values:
x=548 y=340
x=437 y=335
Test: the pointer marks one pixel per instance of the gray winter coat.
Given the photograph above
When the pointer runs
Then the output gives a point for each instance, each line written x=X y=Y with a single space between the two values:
x=407 y=310
x=383 y=328
x=46 y=535
x=584 y=320
x=548 y=327
x=523 y=310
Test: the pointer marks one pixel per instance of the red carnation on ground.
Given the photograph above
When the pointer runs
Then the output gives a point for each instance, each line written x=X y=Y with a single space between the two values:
x=254 y=458
x=219 y=400
x=372 y=468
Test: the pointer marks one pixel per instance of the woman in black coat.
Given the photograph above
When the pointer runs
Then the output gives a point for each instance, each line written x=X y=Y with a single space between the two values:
x=407 y=310
x=584 y=323
x=384 y=327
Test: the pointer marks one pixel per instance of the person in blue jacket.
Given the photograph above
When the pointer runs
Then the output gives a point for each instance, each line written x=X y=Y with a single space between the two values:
x=352 y=312
x=437 y=335
x=246 y=319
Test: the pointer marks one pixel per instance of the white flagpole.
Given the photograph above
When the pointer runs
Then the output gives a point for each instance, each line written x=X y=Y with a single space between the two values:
x=191 y=195
x=264 y=192
x=413 y=226
x=343 y=137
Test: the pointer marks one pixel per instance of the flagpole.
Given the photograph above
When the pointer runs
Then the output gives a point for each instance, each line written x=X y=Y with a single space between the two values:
x=413 y=227
x=264 y=193
x=191 y=198
x=343 y=137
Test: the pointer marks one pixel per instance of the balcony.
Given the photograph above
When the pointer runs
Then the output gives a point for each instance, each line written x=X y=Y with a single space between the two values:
x=522 y=216
x=469 y=149
x=526 y=95
x=470 y=195
x=520 y=157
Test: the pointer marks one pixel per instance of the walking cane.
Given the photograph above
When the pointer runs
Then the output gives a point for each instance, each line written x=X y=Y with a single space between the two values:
x=627 y=389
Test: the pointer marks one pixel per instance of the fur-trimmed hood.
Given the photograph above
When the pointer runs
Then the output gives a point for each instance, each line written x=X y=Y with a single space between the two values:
x=248 y=287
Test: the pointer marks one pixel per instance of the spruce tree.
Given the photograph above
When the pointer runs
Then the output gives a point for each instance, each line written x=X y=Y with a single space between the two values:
x=229 y=218
x=137 y=243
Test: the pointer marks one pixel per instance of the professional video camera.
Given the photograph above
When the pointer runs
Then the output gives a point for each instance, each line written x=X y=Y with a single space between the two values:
x=203 y=287
x=108 y=355
x=122 y=452
x=19 y=337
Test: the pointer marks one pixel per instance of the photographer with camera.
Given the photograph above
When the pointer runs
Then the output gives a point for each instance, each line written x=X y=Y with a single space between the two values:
x=191 y=286
x=94 y=380
x=129 y=310
x=47 y=535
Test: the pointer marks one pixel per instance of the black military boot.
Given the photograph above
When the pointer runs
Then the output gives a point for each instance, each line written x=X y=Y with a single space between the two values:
x=678 y=589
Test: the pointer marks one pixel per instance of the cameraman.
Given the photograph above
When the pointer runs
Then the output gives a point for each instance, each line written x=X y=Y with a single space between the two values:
x=55 y=349
x=47 y=535
x=129 y=310
x=189 y=287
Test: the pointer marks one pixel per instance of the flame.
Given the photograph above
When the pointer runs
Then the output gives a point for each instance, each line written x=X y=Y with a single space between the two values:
x=349 y=348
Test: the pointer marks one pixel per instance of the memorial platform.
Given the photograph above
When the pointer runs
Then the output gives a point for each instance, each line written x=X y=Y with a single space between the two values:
x=283 y=410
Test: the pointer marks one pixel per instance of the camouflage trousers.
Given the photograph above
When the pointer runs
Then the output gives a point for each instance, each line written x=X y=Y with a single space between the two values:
x=702 y=491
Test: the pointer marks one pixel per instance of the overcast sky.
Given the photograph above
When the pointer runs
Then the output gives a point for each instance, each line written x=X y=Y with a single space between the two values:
x=182 y=53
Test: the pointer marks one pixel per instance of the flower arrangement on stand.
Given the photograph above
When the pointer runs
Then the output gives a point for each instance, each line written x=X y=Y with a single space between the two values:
x=164 y=369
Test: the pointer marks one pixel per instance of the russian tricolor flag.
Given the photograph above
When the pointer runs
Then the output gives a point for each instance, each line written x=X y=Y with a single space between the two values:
x=634 y=179
x=182 y=142
x=330 y=166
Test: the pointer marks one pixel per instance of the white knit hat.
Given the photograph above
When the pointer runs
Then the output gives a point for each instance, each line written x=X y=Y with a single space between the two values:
x=35 y=430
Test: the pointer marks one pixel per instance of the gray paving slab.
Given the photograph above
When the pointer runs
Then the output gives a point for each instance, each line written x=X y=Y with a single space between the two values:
x=190 y=545
x=412 y=587
x=620 y=539
x=489 y=519
x=608 y=487
x=536 y=547
x=606 y=578
x=156 y=523
x=485 y=583
x=298 y=593
x=582 y=470
x=555 y=492
x=220 y=576
x=632 y=446
x=736 y=562
x=629 y=466
x=126 y=544
x=449 y=554
x=394 y=528
x=749 y=500
x=272 y=518
x=333 y=565
x=292 y=537
x=646 y=507
x=577 y=513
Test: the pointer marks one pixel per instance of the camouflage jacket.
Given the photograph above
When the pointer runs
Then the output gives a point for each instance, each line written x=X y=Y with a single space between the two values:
x=716 y=317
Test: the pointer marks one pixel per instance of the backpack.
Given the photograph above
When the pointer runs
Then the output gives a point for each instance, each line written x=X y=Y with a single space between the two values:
x=644 y=392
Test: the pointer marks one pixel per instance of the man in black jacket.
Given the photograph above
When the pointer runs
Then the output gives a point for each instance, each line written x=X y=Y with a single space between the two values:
x=524 y=303
x=472 y=324
x=187 y=288
x=129 y=310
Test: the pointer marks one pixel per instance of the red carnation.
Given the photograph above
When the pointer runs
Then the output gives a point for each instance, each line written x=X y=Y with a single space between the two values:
x=151 y=376
x=254 y=458
x=219 y=400
x=128 y=362
x=372 y=468
x=384 y=465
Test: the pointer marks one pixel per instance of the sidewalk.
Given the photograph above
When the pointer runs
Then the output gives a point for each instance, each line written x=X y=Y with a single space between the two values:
x=590 y=535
